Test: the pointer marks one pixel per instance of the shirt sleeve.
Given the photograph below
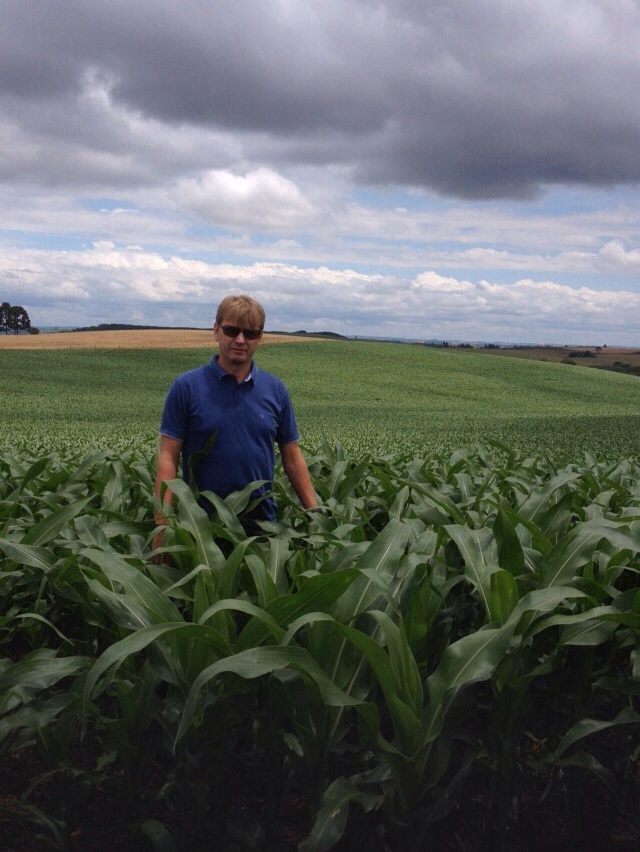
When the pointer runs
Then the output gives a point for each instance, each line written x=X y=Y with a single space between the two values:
x=287 y=428
x=174 y=419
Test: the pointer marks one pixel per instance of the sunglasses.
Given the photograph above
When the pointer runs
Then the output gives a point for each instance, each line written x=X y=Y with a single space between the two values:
x=235 y=330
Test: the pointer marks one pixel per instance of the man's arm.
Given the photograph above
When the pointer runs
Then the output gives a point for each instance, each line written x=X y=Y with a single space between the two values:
x=166 y=469
x=295 y=467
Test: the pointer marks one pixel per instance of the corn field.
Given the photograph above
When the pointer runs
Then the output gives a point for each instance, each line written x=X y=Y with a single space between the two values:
x=450 y=645
x=374 y=398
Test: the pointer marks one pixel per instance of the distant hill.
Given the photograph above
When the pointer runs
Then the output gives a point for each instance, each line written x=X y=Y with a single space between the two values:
x=117 y=326
x=120 y=326
x=330 y=334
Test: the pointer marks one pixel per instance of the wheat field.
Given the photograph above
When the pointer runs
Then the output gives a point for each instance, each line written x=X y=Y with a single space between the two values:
x=157 y=338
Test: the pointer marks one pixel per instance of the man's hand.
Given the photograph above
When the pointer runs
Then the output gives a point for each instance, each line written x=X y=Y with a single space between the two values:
x=295 y=467
x=159 y=558
x=166 y=470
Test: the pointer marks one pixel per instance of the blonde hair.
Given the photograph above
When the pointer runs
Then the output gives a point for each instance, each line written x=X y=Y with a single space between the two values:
x=242 y=310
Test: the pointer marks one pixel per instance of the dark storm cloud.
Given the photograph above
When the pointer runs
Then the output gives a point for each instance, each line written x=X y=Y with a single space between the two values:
x=475 y=98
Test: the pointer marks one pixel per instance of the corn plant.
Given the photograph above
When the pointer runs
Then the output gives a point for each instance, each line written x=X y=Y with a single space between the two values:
x=412 y=642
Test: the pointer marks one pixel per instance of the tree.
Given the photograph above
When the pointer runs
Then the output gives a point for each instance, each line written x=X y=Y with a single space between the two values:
x=21 y=319
x=13 y=319
x=5 y=307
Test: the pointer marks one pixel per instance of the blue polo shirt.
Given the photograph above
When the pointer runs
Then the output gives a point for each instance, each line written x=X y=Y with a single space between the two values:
x=247 y=418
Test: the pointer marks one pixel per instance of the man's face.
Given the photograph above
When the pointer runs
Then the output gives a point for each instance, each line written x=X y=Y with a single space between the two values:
x=235 y=352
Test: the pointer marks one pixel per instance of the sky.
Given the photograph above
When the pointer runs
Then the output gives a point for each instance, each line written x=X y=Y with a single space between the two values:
x=465 y=170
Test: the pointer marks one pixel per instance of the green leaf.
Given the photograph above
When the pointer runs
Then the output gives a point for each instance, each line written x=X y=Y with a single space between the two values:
x=510 y=553
x=226 y=515
x=576 y=549
x=331 y=819
x=535 y=605
x=138 y=641
x=34 y=616
x=318 y=594
x=230 y=574
x=332 y=482
x=124 y=610
x=257 y=662
x=265 y=587
x=568 y=557
x=381 y=557
x=49 y=527
x=503 y=596
x=588 y=727
x=479 y=552
x=406 y=723
x=538 y=538
x=537 y=504
x=135 y=583
x=469 y=660
x=36 y=715
x=90 y=532
x=398 y=508
x=434 y=507
x=24 y=554
x=590 y=632
x=32 y=473
x=198 y=457
x=272 y=628
x=195 y=520
x=407 y=675
x=115 y=487
x=41 y=670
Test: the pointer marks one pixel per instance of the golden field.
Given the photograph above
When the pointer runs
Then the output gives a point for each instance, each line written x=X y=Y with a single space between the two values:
x=160 y=338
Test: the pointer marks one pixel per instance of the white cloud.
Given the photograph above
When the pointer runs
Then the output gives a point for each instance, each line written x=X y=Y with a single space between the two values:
x=616 y=256
x=260 y=199
x=108 y=284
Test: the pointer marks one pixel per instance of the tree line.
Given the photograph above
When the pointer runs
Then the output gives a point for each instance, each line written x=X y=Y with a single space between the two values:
x=14 y=319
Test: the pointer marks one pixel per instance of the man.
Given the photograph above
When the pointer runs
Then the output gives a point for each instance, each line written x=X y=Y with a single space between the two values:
x=237 y=409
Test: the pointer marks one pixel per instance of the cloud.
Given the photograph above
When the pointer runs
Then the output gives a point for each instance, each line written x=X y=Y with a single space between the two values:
x=108 y=284
x=261 y=199
x=462 y=170
x=616 y=256
x=477 y=99
x=552 y=311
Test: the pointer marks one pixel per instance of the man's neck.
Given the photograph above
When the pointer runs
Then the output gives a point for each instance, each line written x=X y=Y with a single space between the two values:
x=240 y=373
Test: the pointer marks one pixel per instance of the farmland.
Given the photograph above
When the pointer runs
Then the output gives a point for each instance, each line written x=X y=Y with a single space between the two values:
x=445 y=657
x=371 y=397
x=169 y=338
x=606 y=357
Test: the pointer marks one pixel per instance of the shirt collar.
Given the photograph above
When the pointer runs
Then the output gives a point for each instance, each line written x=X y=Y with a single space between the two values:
x=219 y=373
